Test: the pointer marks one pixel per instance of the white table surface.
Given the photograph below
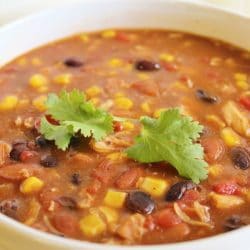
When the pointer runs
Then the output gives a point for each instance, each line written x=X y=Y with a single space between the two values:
x=14 y=9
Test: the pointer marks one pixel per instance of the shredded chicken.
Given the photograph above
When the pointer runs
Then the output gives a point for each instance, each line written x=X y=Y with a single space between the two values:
x=33 y=212
x=5 y=149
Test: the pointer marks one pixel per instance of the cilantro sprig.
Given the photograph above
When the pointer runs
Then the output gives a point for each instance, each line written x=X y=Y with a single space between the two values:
x=171 y=138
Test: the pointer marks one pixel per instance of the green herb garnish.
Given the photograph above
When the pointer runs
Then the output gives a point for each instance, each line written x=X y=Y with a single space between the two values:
x=170 y=138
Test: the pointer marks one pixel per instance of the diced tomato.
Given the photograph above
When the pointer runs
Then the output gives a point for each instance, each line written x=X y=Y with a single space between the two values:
x=213 y=147
x=228 y=188
x=245 y=101
x=190 y=196
x=150 y=223
x=27 y=155
x=51 y=120
x=146 y=88
x=129 y=178
x=167 y=218
x=169 y=66
x=94 y=187
x=47 y=198
x=122 y=37
x=117 y=126
x=66 y=223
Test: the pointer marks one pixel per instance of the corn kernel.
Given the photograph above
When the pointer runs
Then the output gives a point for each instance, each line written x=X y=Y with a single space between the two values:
x=143 y=76
x=242 y=85
x=39 y=103
x=36 y=61
x=146 y=107
x=215 y=120
x=119 y=94
x=108 y=34
x=240 y=76
x=115 y=62
x=215 y=170
x=38 y=80
x=110 y=214
x=116 y=156
x=31 y=185
x=127 y=125
x=114 y=198
x=166 y=57
x=8 y=102
x=92 y=225
x=230 y=137
x=84 y=38
x=22 y=61
x=63 y=79
x=154 y=186
x=157 y=112
x=93 y=91
x=226 y=201
x=95 y=101
x=123 y=103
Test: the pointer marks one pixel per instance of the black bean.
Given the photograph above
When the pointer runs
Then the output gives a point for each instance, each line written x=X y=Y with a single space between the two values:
x=73 y=62
x=48 y=161
x=240 y=157
x=204 y=96
x=75 y=141
x=140 y=202
x=76 y=179
x=17 y=149
x=9 y=207
x=178 y=190
x=67 y=201
x=233 y=223
x=41 y=142
x=145 y=65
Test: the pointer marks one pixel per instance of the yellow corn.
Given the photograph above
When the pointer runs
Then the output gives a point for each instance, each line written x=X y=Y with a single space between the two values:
x=108 y=34
x=116 y=156
x=92 y=225
x=167 y=57
x=242 y=85
x=154 y=186
x=143 y=76
x=215 y=120
x=115 y=62
x=119 y=94
x=127 y=125
x=31 y=185
x=39 y=103
x=22 y=61
x=114 y=198
x=146 y=107
x=93 y=91
x=63 y=79
x=226 y=201
x=123 y=103
x=36 y=61
x=230 y=137
x=215 y=170
x=240 y=76
x=9 y=102
x=157 y=112
x=38 y=80
x=95 y=101
x=84 y=38
x=110 y=214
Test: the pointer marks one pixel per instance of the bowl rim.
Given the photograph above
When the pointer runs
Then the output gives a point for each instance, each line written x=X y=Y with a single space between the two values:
x=54 y=240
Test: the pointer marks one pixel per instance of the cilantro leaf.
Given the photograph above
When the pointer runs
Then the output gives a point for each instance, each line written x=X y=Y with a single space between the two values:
x=75 y=115
x=171 y=138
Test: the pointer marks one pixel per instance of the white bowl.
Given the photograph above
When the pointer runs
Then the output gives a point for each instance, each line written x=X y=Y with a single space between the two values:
x=36 y=30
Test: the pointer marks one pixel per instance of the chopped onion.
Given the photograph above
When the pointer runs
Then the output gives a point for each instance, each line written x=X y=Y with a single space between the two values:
x=202 y=211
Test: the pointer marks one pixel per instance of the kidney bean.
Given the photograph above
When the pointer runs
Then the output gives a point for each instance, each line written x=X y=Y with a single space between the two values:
x=178 y=190
x=67 y=201
x=73 y=62
x=233 y=222
x=48 y=161
x=240 y=157
x=17 y=149
x=140 y=202
x=145 y=65
x=41 y=142
x=213 y=147
x=117 y=126
x=204 y=96
x=167 y=218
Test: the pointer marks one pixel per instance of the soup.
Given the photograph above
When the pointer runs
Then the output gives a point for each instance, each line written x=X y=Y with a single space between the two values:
x=147 y=143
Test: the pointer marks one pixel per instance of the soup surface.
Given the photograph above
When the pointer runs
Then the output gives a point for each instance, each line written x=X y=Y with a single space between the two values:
x=93 y=190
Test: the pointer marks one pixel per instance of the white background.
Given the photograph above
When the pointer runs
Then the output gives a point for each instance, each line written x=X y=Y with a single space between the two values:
x=13 y=9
